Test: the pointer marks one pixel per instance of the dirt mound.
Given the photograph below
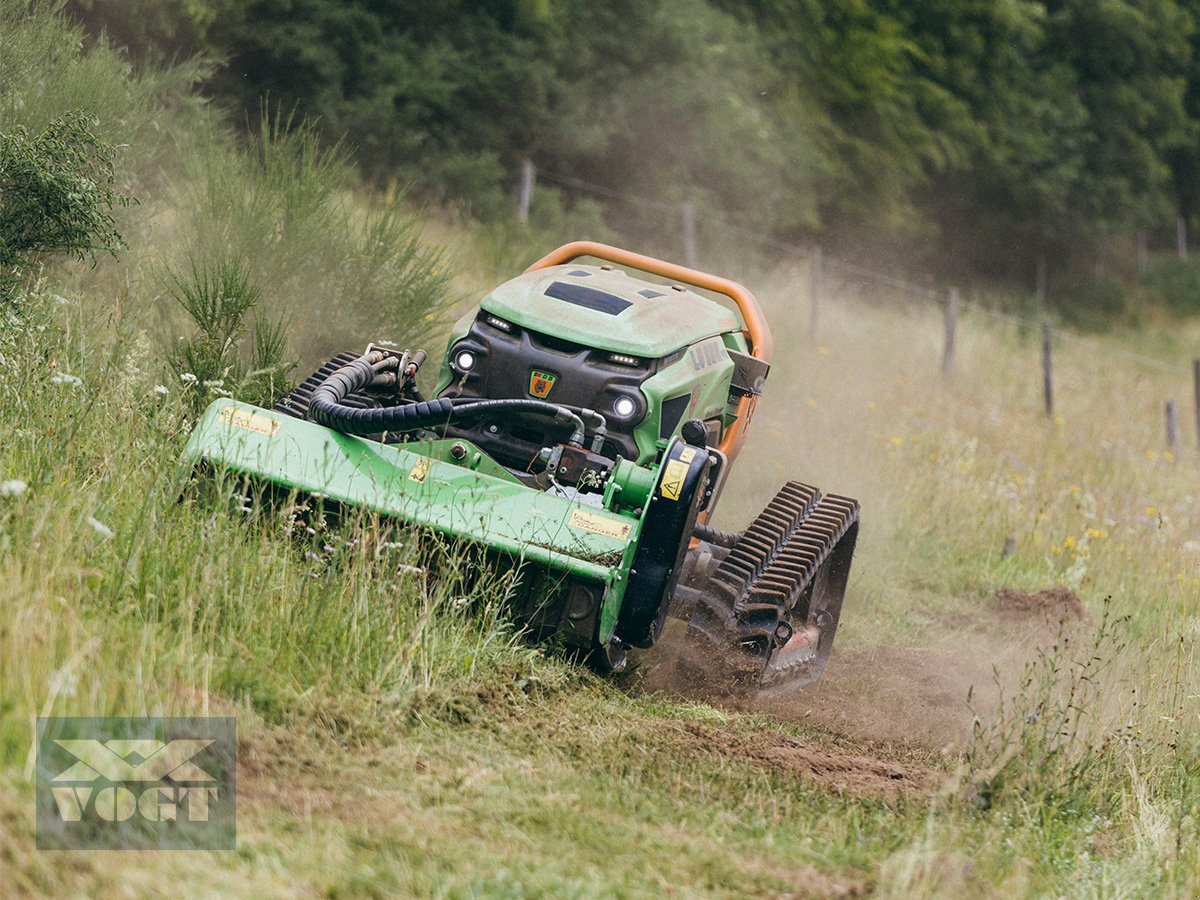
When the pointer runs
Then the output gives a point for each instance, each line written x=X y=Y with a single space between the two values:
x=851 y=774
x=1056 y=603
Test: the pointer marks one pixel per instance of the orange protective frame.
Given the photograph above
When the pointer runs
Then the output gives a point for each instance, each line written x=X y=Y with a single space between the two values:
x=757 y=332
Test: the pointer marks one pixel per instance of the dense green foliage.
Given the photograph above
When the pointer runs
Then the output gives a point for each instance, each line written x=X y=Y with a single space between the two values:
x=984 y=134
x=56 y=195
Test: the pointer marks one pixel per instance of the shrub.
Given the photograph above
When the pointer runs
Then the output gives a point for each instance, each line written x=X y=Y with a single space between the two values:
x=56 y=195
x=232 y=352
x=1175 y=283
x=1092 y=303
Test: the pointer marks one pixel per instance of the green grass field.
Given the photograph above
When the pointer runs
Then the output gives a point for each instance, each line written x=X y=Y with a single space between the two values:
x=995 y=721
x=398 y=737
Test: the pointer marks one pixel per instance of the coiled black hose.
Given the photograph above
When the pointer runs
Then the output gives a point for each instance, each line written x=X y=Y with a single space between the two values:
x=326 y=407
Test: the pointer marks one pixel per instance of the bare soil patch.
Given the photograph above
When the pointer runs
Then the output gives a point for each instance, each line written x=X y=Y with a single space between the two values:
x=1056 y=604
x=854 y=775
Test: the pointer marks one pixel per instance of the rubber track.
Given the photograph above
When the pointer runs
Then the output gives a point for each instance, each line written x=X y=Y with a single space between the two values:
x=296 y=403
x=766 y=576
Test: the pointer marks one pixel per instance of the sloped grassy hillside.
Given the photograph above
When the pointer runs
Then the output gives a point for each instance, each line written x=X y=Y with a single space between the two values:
x=397 y=736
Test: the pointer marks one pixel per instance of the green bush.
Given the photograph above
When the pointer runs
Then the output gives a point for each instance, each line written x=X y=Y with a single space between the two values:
x=1175 y=284
x=230 y=354
x=1093 y=303
x=56 y=195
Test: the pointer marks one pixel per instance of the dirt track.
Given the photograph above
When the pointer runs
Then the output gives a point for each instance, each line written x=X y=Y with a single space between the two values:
x=891 y=704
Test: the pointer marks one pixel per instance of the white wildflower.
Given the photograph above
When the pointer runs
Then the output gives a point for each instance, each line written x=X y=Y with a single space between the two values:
x=215 y=383
x=101 y=529
x=161 y=389
x=13 y=488
x=410 y=570
x=63 y=682
x=64 y=378
x=187 y=378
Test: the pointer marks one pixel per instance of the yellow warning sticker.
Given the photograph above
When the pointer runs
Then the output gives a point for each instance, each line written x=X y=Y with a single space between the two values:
x=251 y=421
x=589 y=521
x=672 y=480
x=420 y=470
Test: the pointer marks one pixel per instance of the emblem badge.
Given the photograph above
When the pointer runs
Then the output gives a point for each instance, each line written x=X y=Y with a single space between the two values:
x=540 y=383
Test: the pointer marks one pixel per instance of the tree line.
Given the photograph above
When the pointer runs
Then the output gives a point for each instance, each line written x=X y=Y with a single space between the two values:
x=971 y=136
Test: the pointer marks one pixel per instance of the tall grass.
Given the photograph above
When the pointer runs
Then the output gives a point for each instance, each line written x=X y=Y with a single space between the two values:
x=116 y=596
x=339 y=271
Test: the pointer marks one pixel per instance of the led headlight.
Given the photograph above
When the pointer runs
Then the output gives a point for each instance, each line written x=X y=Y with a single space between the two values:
x=624 y=407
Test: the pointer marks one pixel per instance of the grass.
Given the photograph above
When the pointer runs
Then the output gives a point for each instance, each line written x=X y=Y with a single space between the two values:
x=398 y=737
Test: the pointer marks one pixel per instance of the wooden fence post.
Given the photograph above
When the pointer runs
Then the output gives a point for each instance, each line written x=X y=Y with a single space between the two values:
x=1047 y=370
x=525 y=194
x=691 y=257
x=1172 y=428
x=1196 y=391
x=951 y=327
x=1041 y=279
x=814 y=291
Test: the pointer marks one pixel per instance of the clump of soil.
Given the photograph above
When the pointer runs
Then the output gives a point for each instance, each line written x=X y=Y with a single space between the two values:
x=1056 y=603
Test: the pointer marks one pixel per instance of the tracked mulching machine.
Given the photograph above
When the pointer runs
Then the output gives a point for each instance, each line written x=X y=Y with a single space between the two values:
x=584 y=423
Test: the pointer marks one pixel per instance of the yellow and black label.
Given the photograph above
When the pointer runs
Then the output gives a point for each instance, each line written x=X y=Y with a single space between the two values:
x=540 y=383
x=673 y=478
x=596 y=524
x=675 y=473
x=251 y=421
x=420 y=470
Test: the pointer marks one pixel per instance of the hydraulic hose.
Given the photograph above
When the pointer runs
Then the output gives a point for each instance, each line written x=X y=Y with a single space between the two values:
x=326 y=407
x=716 y=535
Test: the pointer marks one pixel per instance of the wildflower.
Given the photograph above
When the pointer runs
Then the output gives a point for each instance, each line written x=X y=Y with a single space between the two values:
x=895 y=440
x=64 y=378
x=63 y=681
x=187 y=378
x=13 y=488
x=215 y=383
x=161 y=389
x=101 y=529
x=1151 y=511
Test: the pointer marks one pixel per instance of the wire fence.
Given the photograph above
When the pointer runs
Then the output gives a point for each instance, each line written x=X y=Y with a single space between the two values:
x=680 y=220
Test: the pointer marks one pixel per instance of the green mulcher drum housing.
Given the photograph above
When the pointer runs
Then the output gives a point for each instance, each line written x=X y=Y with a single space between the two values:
x=584 y=423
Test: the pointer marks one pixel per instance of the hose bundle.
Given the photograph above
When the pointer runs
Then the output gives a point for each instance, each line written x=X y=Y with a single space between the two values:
x=381 y=368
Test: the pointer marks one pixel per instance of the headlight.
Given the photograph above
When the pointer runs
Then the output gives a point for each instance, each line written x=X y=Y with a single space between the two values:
x=624 y=407
x=464 y=360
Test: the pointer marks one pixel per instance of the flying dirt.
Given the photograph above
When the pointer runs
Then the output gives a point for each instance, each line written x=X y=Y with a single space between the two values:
x=583 y=426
